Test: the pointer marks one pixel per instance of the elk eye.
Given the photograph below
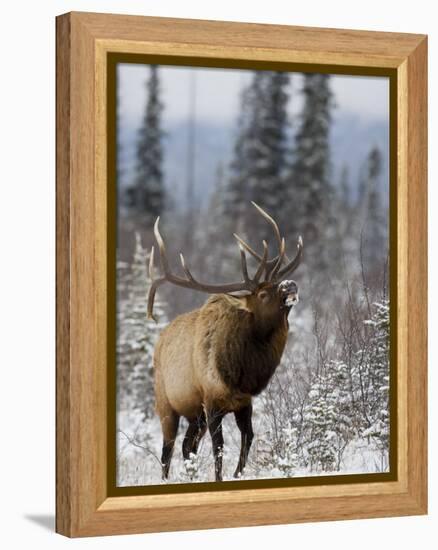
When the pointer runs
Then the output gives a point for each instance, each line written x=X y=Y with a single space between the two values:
x=264 y=296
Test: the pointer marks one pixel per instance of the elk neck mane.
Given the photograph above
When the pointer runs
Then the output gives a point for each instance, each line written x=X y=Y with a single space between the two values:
x=247 y=349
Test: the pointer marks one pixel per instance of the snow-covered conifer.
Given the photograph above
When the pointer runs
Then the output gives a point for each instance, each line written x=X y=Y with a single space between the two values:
x=309 y=185
x=377 y=377
x=147 y=196
x=327 y=426
x=260 y=154
x=136 y=335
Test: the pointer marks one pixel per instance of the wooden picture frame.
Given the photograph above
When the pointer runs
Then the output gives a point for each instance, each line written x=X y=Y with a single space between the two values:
x=85 y=41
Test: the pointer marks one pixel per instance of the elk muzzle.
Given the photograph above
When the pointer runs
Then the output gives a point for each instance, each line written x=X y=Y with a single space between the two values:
x=289 y=293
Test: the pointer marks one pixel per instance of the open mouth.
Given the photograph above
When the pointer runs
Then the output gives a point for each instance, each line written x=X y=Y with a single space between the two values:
x=291 y=300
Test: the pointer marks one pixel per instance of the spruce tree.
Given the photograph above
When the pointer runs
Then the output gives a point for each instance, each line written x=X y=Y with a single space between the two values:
x=376 y=375
x=269 y=148
x=136 y=335
x=339 y=237
x=147 y=195
x=309 y=188
x=373 y=212
x=238 y=192
x=344 y=187
x=327 y=426
x=260 y=154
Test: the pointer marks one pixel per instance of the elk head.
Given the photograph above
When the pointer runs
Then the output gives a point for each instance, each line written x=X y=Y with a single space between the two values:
x=267 y=293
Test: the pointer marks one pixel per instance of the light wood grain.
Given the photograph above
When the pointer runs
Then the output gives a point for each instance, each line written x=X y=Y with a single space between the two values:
x=242 y=38
x=63 y=403
x=402 y=270
x=417 y=274
x=83 y=40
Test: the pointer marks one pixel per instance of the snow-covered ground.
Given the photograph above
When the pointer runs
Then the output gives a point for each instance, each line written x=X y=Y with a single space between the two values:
x=139 y=451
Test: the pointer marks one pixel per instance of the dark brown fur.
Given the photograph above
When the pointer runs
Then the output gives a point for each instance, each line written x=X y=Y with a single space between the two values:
x=246 y=351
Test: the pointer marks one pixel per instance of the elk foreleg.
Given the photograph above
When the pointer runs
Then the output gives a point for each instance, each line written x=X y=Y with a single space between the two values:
x=214 y=421
x=194 y=434
x=244 y=423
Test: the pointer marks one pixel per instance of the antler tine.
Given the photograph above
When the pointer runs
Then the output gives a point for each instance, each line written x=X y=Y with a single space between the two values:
x=162 y=247
x=151 y=298
x=244 y=266
x=246 y=246
x=264 y=261
x=271 y=266
x=293 y=264
x=280 y=259
x=153 y=288
x=151 y=264
x=164 y=265
x=272 y=222
x=186 y=269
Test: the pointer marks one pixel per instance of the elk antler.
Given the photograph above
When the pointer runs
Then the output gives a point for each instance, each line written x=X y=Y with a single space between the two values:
x=293 y=264
x=247 y=284
x=272 y=267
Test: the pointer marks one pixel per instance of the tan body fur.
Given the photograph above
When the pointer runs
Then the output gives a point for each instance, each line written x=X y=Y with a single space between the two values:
x=186 y=374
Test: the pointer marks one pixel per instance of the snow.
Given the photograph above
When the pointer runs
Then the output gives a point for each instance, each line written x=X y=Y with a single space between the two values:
x=139 y=450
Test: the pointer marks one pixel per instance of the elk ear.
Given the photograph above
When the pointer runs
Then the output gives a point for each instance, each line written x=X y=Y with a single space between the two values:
x=239 y=302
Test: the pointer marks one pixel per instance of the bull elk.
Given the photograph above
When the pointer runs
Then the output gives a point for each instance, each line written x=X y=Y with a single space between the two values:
x=211 y=361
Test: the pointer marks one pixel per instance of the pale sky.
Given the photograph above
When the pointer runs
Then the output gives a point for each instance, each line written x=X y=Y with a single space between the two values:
x=218 y=93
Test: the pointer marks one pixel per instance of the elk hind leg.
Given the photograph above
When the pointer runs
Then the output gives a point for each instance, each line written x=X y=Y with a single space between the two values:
x=195 y=432
x=169 y=426
x=244 y=423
